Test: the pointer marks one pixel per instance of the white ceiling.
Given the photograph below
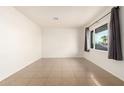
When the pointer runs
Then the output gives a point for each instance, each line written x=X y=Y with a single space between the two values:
x=69 y=16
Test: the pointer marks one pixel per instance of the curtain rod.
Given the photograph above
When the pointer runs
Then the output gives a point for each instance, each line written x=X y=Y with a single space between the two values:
x=102 y=17
x=99 y=19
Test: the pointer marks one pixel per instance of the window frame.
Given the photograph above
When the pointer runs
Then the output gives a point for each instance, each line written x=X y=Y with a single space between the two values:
x=92 y=39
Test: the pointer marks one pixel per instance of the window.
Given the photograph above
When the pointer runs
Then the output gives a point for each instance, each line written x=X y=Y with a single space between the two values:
x=91 y=39
x=88 y=40
x=101 y=37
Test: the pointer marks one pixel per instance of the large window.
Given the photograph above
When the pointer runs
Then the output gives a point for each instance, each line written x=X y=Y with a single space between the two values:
x=101 y=37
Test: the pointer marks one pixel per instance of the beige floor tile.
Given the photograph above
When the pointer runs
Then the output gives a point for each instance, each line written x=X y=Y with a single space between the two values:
x=62 y=72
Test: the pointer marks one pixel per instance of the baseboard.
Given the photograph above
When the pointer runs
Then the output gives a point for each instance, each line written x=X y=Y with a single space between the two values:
x=105 y=69
x=19 y=69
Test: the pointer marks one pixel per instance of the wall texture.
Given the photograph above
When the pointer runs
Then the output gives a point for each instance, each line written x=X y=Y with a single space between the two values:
x=20 y=41
x=61 y=42
x=100 y=58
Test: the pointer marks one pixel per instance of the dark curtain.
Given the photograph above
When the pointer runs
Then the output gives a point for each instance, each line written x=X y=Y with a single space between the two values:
x=115 y=50
x=91 y=39
x=85 y=44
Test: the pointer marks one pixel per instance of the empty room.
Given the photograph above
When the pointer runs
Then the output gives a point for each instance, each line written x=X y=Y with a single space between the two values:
x=61 y=46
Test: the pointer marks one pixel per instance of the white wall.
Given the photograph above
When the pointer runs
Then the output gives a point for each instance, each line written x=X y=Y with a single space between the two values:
x=61 y=42
x=100 y=58
x=20 y=41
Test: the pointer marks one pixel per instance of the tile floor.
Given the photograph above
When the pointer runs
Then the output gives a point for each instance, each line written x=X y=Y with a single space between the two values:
x=62 y=72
